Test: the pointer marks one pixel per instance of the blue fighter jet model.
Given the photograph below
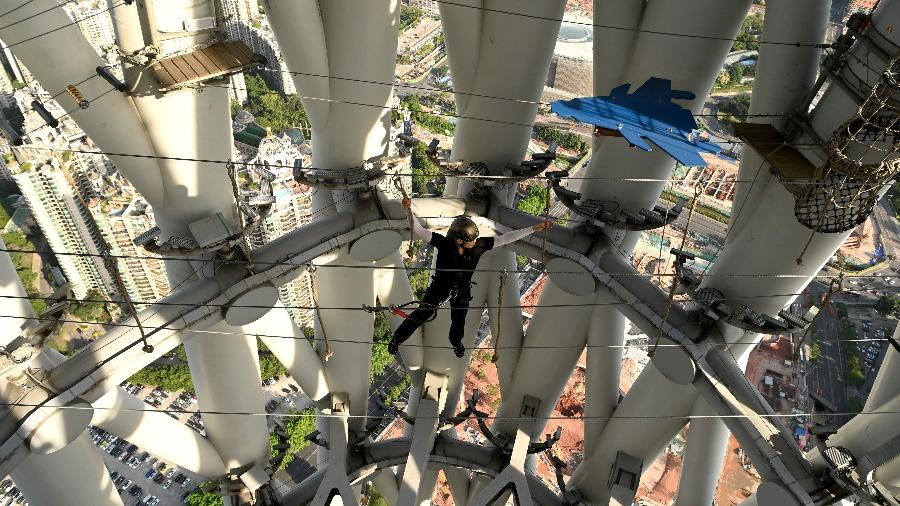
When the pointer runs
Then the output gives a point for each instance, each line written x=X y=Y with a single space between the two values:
x=648 y=113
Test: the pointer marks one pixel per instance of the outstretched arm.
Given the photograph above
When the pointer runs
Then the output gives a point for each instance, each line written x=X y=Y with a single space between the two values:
x=515 y=235
x=418 y=230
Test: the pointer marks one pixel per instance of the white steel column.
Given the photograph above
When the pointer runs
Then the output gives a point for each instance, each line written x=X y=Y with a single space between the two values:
x=74 y=465
x=72 y=475
x=496 y=48
x=887 y=384
x=703 y=457
x=605 y=339
x=784 y=76
x=17 y=309
x=295 y=352
x=692 y=64
x=555 y=336
x=195 y=124
x=350 y=47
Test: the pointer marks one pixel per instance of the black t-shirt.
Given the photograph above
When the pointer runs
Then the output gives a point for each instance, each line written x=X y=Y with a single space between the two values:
x=448 y=257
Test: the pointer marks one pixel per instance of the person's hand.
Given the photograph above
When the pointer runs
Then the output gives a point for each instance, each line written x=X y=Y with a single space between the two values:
x=406 y=204
x=544 y=225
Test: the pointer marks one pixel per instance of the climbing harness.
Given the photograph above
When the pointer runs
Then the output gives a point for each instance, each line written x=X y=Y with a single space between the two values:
x=500 y=310
x=232 y=175
x=315 y=295
x=399 y=186
x=400 y=310
x=674 y=287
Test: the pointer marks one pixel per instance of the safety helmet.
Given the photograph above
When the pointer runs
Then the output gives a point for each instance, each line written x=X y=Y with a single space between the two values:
x=463 y=228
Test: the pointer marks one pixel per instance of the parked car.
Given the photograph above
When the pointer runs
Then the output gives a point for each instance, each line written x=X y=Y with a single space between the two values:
x=167 y=484
x=149 y=474
x=159 y=478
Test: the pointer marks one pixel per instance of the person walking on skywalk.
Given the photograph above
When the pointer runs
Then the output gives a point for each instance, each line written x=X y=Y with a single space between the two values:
x=457 y=256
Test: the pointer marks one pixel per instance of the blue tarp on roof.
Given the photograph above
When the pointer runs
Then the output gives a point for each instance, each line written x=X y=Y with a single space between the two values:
x=648 y=113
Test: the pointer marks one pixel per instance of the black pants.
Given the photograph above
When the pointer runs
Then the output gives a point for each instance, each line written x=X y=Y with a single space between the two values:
x=435 y=295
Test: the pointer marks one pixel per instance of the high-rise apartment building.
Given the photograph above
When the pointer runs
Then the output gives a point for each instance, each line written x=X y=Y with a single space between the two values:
x=429 y=6
x=120 y=221
x=261 y=41
x=95 y=23
x=291 y=210
x=238 y=15
x=67 y=225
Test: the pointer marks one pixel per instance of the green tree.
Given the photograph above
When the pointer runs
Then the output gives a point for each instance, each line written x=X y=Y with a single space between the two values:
x=409 y=16
x=272 y=109
x=169 y=377
x=815 y=352
x=419 y=282
x=91 y=308
x=380 y=356
x=297 y=426
x=888 y=305
x=567 y=140
x=736 y=72
x=375 y=498
x=424 y=170
x=748 y=36
x=202 y=497
x=841 y=309
x=534 y=201
x=397 y=390
x=854 y=374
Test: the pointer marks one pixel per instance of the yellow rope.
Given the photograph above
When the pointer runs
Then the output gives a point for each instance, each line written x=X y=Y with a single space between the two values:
x=835 y=286
x=674 y=286
x=546 y=217
x=499 y=314
x=315 y=296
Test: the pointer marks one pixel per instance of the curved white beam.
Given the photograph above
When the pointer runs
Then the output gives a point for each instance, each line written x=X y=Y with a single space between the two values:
x=73 y=475
x=62 y=57
x=297 y=355
x=128 y=417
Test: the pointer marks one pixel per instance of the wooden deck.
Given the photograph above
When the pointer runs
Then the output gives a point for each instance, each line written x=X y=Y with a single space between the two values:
x=774 y=148
x=217 y=60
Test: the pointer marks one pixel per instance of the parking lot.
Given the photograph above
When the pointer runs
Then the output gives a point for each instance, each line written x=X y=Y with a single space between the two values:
x=128 y=476
x=139 y=475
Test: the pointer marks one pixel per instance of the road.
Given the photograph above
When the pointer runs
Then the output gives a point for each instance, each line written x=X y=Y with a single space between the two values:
x=888 y=227
x=168 y=497
x=826 y=376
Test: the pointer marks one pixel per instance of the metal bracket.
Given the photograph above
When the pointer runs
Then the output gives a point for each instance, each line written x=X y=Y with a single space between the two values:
x=513 y=475
x=479 y=172
x=336 y=482
x=600 y=213
x=711 y=304
x=362 y=177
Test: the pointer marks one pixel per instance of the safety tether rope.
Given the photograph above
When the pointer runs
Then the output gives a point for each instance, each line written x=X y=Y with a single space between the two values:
x=499 y=314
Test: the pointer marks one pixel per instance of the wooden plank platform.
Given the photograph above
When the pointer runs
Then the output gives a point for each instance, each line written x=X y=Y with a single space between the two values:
x=217 y=60
x=772 y=146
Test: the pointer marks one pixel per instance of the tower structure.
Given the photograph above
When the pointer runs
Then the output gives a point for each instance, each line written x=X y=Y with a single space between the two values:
x=174 y=143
